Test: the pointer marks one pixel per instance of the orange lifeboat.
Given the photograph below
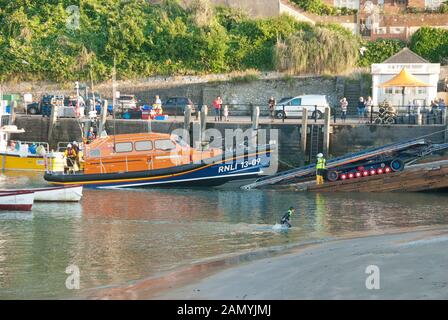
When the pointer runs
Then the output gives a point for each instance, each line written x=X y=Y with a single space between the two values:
x=154 y=159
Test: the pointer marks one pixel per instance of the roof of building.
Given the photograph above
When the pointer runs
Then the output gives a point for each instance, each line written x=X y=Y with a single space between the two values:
x=406 y=56
x=404 y=79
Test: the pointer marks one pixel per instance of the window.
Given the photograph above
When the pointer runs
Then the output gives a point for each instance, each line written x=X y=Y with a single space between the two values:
x=388 y=90
x=165 y=145
x=296 y=102
x=143 y=145
x=381 y=30
x=397 y=30
x=123 y=147
x=95 y=153
x=421 y=90
x=433 y=4
x=180 y=141
x=351 y=4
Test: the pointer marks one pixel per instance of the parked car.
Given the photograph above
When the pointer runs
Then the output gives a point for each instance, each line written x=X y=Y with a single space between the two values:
x=177 y=105
x=33 y=108
x=42 y=107
x=45 y=105
x=127 y=102
x=293 y=107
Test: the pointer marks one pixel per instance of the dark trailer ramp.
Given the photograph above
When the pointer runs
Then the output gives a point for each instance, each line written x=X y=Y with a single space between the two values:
x=392 y=157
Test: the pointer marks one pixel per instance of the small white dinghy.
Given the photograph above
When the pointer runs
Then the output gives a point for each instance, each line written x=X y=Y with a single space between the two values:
x=16 y=200
x=53 y=194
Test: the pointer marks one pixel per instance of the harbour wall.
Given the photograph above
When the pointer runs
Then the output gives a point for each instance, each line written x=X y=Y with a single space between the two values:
x=343 y=139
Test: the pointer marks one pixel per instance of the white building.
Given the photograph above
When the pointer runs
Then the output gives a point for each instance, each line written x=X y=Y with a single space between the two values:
x=419 y=67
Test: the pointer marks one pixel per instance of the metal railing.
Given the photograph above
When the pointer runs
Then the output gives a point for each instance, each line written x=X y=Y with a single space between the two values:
x=405 y=115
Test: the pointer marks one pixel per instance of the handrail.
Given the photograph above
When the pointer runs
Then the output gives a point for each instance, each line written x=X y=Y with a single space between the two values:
x=38 y=143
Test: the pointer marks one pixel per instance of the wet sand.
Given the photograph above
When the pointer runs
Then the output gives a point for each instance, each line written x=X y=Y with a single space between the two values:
x=413 y=264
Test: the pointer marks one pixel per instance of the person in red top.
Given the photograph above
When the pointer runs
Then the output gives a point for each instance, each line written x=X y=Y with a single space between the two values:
x=217 y=105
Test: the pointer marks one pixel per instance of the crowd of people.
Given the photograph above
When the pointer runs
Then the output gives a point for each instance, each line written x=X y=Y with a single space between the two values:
x=438 y=105
x=363 y=107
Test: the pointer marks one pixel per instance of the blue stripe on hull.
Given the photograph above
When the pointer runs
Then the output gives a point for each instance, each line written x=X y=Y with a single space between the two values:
x=214 y=175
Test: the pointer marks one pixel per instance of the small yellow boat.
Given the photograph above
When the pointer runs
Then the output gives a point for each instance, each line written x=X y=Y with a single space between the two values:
x=21 y=155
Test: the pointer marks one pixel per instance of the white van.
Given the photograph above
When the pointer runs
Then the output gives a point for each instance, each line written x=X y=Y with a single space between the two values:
x=293 y=107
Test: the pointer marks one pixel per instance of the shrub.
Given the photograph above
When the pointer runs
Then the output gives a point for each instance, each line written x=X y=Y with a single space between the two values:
x=247 y=76
x=320 y=8
x=379 y=50
x=321 y=50
x=430 y=43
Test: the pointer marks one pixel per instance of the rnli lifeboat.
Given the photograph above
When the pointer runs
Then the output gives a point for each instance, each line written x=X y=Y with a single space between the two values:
x=154 y=159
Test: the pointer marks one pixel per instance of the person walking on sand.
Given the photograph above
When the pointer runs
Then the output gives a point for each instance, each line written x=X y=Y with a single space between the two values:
x=217 y=105
x=344 y=105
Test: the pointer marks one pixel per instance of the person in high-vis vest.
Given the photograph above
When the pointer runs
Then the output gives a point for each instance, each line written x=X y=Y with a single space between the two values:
x=320 y=168
x=286 y=219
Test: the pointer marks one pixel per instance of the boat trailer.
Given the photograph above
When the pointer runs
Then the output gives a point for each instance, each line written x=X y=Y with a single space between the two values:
x=380 y=160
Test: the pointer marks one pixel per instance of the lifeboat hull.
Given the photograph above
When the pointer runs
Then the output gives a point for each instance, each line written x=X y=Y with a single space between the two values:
x=212 y=173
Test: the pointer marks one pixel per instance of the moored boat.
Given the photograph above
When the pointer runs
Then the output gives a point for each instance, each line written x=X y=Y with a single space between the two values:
x=21 y=155
x=17 y=200
x=53 y=194
x=154 y=159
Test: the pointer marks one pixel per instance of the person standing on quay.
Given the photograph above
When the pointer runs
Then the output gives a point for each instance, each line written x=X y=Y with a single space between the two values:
x=344 y=104
x=217 y=105
x=369 y=105
x=361 y=109
x=271 y=104
x=226 y=113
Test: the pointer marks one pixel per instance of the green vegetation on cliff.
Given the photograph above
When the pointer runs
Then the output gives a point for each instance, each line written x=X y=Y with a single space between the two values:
x=49 y=40
x=322 y=9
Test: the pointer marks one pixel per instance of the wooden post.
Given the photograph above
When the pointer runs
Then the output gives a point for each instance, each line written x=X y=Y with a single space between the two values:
x=203 y=120
x=12 y=116
x=327 y=128
x=53 y=119
x=197 y=130
x=445 y=120
x=303 y=134
x=187 y=118
x=103 y=117
x=255 y=124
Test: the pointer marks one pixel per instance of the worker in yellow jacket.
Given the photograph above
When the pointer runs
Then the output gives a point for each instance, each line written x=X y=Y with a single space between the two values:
x=320 y=168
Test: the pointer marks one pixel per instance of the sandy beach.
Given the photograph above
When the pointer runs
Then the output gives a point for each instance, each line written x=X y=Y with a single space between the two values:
x=407 y=264
x=411 y=266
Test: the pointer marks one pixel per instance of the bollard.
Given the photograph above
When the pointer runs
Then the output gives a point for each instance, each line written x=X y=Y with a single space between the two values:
x=327 y=128
x=303 y=134
x=419 y=116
